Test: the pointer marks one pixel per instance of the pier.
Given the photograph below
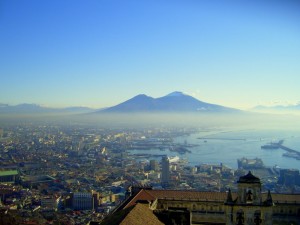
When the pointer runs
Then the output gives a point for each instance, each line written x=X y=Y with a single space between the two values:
x=290 y=152
x=289 y=149
x=228 y=139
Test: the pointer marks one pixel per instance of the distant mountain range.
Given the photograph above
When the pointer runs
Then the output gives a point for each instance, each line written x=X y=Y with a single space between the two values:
x=173 y=102
x=34 y=108
x=281 y=108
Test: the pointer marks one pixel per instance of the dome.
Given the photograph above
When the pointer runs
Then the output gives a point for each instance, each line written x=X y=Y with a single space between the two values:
x=249 y=178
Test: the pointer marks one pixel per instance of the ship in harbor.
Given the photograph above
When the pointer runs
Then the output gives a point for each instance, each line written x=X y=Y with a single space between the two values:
x=179 y=149
x=173 y=159
x=291 y=153
x=272 y=145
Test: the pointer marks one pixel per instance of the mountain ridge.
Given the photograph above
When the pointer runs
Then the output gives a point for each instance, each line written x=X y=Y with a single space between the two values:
x=279 y=107
x=35 y=108
x=173 y=102
x=275 y=109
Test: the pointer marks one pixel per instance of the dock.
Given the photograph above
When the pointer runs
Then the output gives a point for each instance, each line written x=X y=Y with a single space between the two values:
x=224 y=139
x=290 y=152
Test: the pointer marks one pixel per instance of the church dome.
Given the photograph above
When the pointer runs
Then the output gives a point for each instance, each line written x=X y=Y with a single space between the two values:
x=249 y=178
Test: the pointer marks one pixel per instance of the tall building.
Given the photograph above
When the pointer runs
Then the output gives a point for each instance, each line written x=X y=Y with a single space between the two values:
x=165 y=171
x=154 y=165
x=289 y=177
x=83 y=201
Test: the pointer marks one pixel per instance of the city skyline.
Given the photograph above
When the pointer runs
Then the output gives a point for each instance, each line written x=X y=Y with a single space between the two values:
x=101 y=53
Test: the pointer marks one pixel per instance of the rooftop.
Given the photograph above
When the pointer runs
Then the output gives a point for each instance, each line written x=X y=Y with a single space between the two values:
x=138 y=214
x=8 y=173
x=188 y=195
x=249 y=178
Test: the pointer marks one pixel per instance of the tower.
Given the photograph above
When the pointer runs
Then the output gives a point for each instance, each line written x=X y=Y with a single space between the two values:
x=249 y=190
x=153 y=165
x=248 y=208
x=165 y=171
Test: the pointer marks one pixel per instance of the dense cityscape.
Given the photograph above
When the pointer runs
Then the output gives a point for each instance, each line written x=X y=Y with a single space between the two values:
x=78 y=174
x=149 y=112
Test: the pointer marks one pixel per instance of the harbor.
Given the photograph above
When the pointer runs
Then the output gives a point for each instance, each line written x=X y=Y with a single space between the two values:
x=291 y=153
x=228 y=151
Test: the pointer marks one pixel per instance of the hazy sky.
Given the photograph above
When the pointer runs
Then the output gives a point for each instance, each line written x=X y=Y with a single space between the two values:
x=100 y=53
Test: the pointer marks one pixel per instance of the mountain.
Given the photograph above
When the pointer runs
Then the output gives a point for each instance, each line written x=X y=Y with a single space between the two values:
x=173 y=102
x=34 y=109
x=137 y=103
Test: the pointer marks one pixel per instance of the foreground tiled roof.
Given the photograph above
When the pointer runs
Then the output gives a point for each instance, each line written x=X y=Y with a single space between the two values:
x=188 y=195
x=142 y=195
x=135 y=213
x=216 y=196
x=139 y=214
x=286 y=198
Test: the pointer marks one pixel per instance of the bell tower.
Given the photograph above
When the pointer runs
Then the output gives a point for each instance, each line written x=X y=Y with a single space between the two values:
x=248 y=208
x=249 y=190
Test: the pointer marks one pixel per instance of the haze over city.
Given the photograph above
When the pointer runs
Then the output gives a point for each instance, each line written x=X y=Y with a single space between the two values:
x=149 y=112
x=100 y=53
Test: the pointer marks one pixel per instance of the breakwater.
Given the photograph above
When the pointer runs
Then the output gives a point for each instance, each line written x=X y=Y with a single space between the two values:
x=292 y=153
x=223 y=139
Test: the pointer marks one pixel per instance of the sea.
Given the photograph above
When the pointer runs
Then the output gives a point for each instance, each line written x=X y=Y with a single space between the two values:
x=227 y=146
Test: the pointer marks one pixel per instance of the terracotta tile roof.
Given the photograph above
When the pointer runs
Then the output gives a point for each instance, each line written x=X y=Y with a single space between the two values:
x=152 y=195
x=285 y=198
x=217 y=196
x=138 y=214
x=142 y=195
x=189 y=195
x=141 y=215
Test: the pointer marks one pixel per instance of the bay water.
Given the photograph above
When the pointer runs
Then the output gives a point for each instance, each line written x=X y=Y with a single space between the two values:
x=228 y=146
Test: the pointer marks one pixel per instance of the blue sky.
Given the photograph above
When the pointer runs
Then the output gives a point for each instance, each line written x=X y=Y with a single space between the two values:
x=99 y=53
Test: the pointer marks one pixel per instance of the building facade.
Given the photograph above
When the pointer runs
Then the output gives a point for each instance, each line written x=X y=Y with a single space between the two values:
x=83 y=201
x=9 y=176
x=165 y=171
x=247 y=206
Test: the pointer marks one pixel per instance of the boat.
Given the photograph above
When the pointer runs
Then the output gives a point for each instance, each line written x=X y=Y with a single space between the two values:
x=179 y=149
x=173 y=159
x=273 y=145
